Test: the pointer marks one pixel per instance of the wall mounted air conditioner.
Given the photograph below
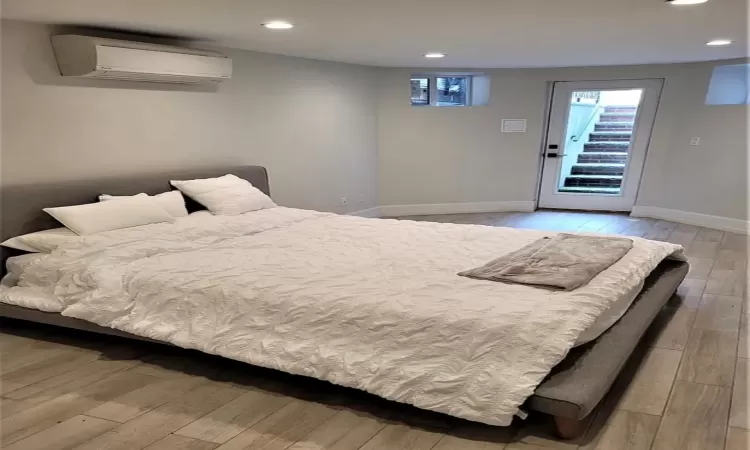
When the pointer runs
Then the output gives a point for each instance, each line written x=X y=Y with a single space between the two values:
x=91 y=57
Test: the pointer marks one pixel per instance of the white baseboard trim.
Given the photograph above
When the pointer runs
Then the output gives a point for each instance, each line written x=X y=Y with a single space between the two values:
x=372 y=213
x=455 y=208
x=702 y=220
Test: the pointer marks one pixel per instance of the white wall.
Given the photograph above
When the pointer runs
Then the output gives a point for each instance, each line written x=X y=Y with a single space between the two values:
x=312 y=124
x=325 y=130
x=458 y=155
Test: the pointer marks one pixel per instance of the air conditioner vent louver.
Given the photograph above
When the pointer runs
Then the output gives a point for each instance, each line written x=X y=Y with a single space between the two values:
x=126 y=76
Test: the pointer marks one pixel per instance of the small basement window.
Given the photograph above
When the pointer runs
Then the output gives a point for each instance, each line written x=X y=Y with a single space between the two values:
x=730 y=85
x=420 y=91
x=449 y=90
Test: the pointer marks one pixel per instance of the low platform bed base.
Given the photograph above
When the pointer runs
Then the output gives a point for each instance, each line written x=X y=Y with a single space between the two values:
x=33 y=315
x=569 y=428
x=574 y=388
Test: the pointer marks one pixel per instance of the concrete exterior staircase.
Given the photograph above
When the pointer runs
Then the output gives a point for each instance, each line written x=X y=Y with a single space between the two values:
x=600 y=167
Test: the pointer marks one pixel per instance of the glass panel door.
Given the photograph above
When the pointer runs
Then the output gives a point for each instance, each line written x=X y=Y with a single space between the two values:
x=596 y=143
x=598 y=138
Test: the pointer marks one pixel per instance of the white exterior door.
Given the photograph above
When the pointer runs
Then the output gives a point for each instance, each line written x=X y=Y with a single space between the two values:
x=596 y=143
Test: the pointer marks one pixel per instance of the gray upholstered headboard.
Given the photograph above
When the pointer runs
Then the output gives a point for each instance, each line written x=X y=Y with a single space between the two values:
x=22 y=205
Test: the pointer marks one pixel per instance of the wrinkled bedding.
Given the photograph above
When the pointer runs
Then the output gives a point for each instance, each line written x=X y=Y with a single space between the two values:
x=370 y=304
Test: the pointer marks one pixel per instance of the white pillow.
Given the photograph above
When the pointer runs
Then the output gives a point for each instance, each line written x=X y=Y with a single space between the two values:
x=227 y=196
x=106 y=216
x=172 y=201
x=42 y=241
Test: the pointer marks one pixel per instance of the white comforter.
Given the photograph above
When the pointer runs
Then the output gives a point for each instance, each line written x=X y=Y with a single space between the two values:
x=370 y=304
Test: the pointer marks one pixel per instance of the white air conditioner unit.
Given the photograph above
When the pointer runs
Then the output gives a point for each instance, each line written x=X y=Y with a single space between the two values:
x=91 y=57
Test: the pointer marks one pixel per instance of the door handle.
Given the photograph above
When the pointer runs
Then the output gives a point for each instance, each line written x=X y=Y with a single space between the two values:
x=553 y=154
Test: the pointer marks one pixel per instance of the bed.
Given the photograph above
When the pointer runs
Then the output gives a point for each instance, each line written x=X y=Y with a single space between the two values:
x=569 y=391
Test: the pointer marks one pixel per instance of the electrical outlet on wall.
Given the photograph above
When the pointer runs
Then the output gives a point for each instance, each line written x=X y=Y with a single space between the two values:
x=344 y=201
x=361 y=198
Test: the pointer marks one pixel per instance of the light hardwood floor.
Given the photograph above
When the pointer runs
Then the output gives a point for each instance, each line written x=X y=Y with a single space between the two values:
x=688 y=387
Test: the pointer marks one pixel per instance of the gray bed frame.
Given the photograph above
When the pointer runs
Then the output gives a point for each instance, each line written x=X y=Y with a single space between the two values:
x=570 y=393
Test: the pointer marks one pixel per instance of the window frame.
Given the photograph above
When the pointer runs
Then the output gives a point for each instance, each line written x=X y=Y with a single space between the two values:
x=430 y=83
x=432 y=90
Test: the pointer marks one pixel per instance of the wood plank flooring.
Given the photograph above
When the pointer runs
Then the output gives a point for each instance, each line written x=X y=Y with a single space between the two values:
x=62 y=389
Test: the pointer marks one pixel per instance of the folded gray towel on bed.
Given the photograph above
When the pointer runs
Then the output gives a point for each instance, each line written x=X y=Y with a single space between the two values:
x=565 y=261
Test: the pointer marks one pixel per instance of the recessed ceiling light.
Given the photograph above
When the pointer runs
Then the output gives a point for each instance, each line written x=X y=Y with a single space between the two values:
x=686 y=2
x=718 y=42
x=434 y=55
x=278 y=25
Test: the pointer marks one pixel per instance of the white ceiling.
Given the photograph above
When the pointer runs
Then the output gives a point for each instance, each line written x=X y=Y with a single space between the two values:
x=473 y=33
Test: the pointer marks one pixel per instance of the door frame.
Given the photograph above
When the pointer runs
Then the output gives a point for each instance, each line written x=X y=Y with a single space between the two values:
x=655 y=84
